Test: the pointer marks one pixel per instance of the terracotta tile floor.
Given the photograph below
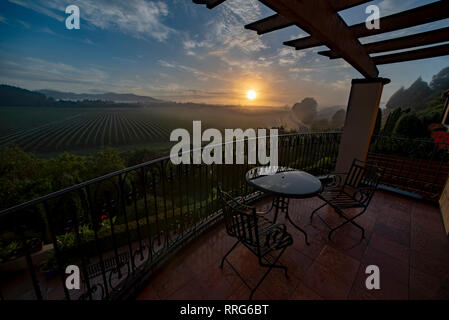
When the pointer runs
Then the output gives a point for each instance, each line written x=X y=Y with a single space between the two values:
x=404 y=237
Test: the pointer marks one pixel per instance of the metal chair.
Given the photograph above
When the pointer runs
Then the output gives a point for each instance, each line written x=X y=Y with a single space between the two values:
x=262 y=237
x=356 y=192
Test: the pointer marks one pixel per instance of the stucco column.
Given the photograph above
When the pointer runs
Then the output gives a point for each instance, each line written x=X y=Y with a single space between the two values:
x=360 y=121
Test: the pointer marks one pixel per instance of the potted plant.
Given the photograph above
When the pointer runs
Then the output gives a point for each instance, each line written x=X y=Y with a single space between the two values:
x=35 y=245
x=49 y=266
x=9 y=251
x=440 y=135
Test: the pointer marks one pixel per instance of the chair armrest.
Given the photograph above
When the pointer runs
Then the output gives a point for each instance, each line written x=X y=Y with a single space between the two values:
x=274 y=228
x=275 y=236
x=332 y=180
x=363 y=194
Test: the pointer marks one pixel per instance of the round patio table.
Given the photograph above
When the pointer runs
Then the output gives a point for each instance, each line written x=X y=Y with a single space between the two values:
x=284 y=183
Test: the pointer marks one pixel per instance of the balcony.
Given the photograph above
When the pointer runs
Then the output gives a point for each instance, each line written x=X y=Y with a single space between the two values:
x=154 y=231
x=405 y=239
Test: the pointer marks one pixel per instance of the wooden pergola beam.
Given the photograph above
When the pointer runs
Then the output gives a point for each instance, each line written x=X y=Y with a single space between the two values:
x=320 y=19
x=210 y=4
x=269 y=24
x=276 y=21
x=426 y=53
x=425 y=14
x=415 y=40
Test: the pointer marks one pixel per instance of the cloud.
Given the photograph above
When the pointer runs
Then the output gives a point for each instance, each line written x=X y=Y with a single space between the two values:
x=2 y=19
x=192 y=44
x=47 y=30
x=42 y=71
x=44 y=7
x=388 y=7
x=24 y=24
x=139 y=18
x=200 y=75
x=89 y=42
x=225 y=33
x=228 y=28
x=180 y=93
x=247 y=66
x=288 y=56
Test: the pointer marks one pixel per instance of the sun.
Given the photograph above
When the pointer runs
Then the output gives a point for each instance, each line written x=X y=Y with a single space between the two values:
x=251 y=95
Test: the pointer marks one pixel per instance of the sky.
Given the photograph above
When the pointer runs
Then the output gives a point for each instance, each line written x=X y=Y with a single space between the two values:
x=176 y=50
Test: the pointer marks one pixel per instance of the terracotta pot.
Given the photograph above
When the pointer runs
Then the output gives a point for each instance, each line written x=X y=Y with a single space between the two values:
x=37 y=248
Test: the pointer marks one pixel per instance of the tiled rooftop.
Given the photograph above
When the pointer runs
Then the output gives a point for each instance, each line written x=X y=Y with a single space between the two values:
x=405 y=238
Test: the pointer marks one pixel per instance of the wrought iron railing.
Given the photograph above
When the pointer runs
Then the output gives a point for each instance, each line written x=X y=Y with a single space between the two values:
x=417 y=166
x=120 y=227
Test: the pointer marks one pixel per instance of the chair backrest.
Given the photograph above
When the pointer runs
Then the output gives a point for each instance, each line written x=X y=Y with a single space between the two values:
x=365 y=177
x=240 y=219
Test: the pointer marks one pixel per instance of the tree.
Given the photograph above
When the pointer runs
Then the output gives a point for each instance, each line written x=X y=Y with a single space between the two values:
x=338 y=119
x=66 y=170
x=306 y=110
x=414 y=97
x=390 y=124
x=319 y=125
x=138 y=156
x=396 y=99
x=410 y=126
x=378 y=125
x=22 y=176
x=433 y=113
x=440 y=81
x=104 y=162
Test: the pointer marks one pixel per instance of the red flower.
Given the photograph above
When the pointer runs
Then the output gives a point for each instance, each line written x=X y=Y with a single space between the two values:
x=433 y=126
x=104 y=217
x=436 y=127
x=441 y=138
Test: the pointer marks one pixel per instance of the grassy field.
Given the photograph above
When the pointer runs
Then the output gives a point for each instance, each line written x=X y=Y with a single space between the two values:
x=50 y=131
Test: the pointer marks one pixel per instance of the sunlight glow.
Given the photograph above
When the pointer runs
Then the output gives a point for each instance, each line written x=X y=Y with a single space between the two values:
x=251 y=95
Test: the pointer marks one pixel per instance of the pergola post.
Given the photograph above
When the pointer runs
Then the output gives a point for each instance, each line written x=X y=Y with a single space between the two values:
x=361 y=115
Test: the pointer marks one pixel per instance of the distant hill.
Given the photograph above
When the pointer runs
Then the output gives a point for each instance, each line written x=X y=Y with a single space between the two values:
x=420 y=92
x=109 y=96
x=17 y=97
x=11 y=96
x=327 y=113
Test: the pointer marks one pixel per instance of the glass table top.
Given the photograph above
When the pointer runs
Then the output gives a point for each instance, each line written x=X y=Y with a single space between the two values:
x=284 y=181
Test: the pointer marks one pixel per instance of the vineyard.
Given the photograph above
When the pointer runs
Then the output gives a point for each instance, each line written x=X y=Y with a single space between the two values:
x=89 y=129
x=50 y=130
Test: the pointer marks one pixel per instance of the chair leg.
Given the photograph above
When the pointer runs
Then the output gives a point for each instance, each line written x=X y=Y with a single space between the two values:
x=278 y=266
x=348 y=220
x=227 y=254
x=270 y=266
